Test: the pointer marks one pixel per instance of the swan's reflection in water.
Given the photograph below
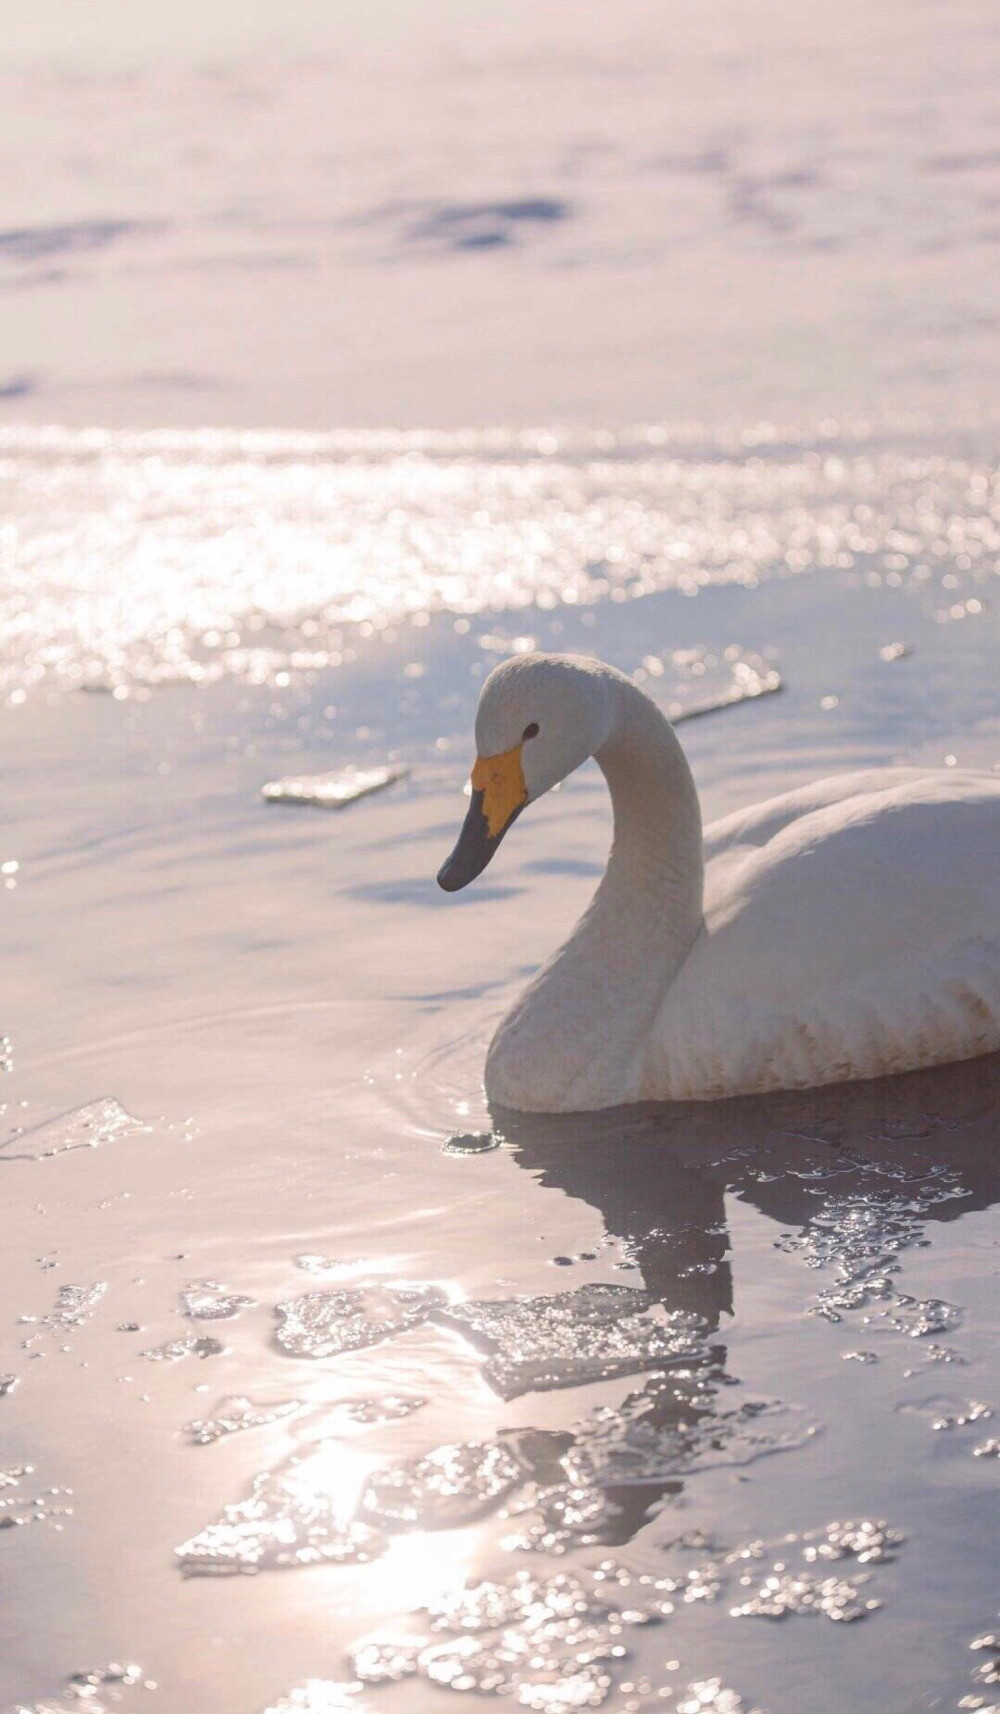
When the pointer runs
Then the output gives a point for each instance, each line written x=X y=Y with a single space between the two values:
x=851 y=1174
x=852 y=1177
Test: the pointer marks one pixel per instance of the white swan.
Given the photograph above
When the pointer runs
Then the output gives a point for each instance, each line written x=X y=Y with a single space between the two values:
x=847 y=930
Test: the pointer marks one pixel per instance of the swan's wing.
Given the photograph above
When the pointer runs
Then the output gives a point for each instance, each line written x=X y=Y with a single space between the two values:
x=863 y=938
x=759 y=823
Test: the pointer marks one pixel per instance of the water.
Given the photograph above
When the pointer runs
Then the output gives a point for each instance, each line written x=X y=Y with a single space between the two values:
x=327 y=1389
x=414 y=1403
x=246 y=555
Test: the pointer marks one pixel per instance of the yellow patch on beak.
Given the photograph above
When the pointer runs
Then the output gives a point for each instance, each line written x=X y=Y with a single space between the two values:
x=501 y=781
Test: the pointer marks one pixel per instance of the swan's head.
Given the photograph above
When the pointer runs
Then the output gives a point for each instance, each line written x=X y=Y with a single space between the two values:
x=539 y=717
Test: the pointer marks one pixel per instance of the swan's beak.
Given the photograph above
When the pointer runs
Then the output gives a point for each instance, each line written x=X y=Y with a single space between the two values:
x=498 y=796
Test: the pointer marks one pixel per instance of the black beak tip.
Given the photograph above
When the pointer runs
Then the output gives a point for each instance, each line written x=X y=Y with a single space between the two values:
x=475 y=847
x=450 y=878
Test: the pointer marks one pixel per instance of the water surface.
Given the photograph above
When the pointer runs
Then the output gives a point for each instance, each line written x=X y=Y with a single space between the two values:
x=319 y=1381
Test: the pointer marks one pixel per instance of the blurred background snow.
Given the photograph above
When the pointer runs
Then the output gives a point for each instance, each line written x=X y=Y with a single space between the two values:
x=453 y=213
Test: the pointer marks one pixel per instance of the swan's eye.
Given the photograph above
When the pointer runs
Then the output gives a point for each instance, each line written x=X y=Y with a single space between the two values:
x=530 y=732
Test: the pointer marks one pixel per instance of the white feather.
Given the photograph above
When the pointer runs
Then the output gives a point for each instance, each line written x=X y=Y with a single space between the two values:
x=847 y=930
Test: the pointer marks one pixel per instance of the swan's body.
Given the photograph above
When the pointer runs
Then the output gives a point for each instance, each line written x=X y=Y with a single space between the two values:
x=847 y=930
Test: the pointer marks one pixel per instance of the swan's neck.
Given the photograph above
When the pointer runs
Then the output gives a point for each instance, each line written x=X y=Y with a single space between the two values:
x=584 y=1019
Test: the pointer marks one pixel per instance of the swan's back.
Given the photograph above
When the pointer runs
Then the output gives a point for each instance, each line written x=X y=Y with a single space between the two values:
x=852 y=930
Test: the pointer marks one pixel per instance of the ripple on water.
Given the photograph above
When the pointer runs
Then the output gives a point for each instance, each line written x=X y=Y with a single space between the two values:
x=246 y=555
x=553 y=1643
x=472 y=1143
x=668 y=1430
x=392 y=1408
x=98 y=1691
x=234 y=1415
x=22 y=1503
x=621 y=1460
x=86 y=1128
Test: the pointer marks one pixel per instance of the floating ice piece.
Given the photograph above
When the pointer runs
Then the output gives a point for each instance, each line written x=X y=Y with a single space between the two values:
x=988 y=1672
x=558 y=1674
x=552 y=1643
x=711 y=1696
x=535 y=1344
x=233 y=1415
x=327 y=1323
x=320 y=1265
x=933 y=1353
x=389 y=1409
x=449 y=1487
x=785 y=1589
x=782 y=1592
x=976 y=1410
x=319 y=1696
x=745 y=689
x=596 y=1592
x=189 y=1345
x=85 y=1128
x=895 y=651
x=294 y=1516
x=74 y=1303
x=7 y=1385
x=332 y=791
x=867 y=1540
x=915 y=1317
x=207 y=1300
x=18 y=1506
x=386 y=1660
x=665 y=1431
x=96 y=1691
x=643 y=1445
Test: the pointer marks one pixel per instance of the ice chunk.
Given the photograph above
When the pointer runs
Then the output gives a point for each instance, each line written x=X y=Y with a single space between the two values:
x=534 y=1344
x=326 y=1323
x=233 y=1415
x=295 y=1515
x=207 y=1300
x=332 y=791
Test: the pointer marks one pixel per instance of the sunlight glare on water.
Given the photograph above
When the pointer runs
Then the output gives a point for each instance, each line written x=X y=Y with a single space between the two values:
x=152 y=557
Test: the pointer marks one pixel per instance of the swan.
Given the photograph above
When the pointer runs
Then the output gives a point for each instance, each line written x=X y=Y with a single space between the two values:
x=843 y=931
